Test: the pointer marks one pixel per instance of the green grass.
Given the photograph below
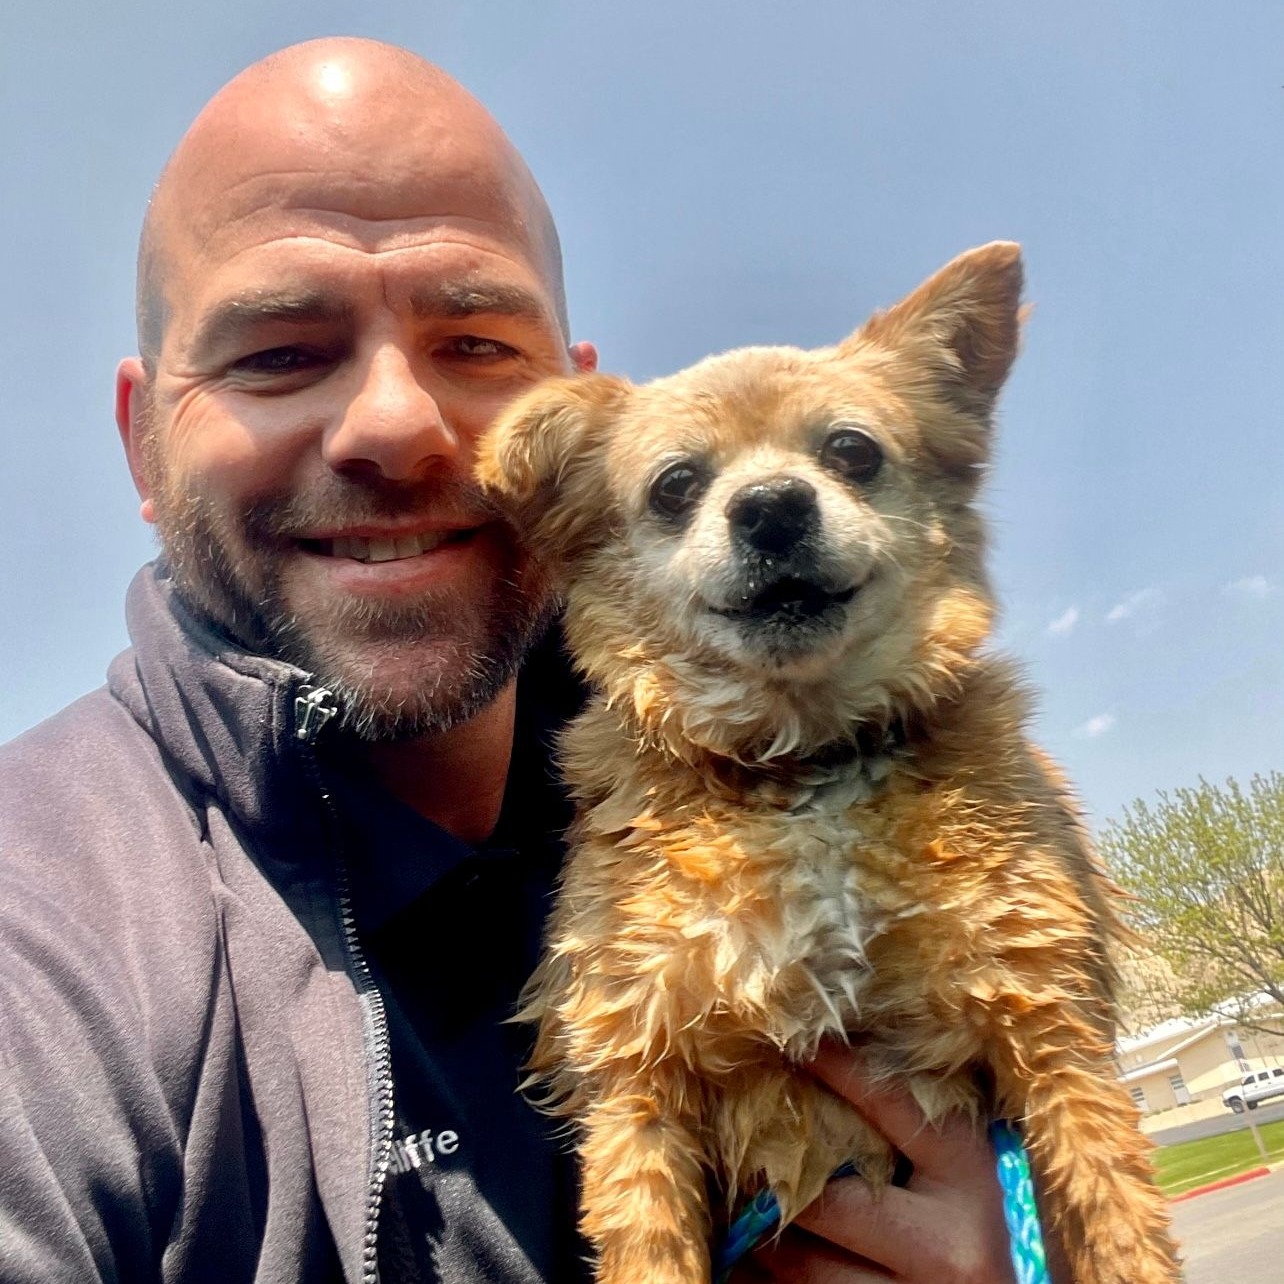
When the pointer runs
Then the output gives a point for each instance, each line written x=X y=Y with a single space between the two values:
x=1188 y=1164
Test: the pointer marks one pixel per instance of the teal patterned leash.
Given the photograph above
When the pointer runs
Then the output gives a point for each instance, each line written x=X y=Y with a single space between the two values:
x=1025 y=1235
x=757 y=1220
x=762 y=1214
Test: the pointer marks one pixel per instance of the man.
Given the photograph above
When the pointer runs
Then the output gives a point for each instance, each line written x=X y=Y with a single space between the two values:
x=298 y=850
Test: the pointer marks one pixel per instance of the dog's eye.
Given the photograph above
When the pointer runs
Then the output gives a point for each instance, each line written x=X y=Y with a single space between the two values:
x=675 y=491
x=853 y=454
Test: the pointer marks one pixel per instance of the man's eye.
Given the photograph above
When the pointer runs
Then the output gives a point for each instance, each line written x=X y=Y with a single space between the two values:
x=278 y=361
x=474 y=347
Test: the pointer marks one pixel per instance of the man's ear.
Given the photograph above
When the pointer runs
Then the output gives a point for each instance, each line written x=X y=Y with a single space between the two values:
x=133 y=421
x=541 y=461
x=965 y=320
x=583 y=356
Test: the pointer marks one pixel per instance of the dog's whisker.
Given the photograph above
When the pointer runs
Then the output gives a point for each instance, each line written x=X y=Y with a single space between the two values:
x=905 y=521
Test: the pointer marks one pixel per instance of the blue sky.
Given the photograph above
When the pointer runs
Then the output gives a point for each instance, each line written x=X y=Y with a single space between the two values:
x=730 y=173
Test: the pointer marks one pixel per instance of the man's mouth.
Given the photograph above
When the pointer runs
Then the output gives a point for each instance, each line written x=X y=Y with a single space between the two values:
x=359 y=548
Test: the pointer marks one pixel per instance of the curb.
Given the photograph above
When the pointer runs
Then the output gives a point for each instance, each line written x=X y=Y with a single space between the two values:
x=1221 y=1185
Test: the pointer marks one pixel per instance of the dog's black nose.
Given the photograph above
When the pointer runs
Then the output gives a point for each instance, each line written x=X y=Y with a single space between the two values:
x=774 y=516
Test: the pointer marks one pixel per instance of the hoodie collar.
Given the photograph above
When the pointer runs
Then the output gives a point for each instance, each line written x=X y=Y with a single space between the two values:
x=224 y=718
x=227 y=720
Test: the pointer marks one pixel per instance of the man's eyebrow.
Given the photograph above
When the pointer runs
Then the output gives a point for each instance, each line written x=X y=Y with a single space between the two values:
x=458 y=299
x=239 y=313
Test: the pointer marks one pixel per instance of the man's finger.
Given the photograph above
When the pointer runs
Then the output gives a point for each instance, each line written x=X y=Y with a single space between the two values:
x=800 y=1258
x=885 y=1228
x=935 y=1150
x=930 y=1238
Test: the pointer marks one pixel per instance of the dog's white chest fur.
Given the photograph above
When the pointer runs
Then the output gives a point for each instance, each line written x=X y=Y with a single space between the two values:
x=804 y=959
x=825 y=926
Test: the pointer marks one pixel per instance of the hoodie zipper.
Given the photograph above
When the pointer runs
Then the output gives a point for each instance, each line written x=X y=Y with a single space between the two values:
x=314 y=709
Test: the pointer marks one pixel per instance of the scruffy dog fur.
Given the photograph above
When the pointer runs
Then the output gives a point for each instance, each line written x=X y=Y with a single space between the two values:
x=807 y=806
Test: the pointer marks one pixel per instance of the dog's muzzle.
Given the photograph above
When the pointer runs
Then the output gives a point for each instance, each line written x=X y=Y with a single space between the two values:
x=775 y=527
x=785 y=600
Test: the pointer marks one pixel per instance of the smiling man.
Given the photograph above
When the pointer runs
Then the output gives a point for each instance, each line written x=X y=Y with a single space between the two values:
x=346 y=270
x=267 y=899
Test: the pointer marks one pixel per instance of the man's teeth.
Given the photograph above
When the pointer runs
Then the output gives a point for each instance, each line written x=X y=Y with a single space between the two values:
x=385 y=550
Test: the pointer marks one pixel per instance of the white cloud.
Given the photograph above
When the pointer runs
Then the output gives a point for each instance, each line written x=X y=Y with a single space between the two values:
x=1257 y=586
x=1064 y=622
x=1095 y=727
x=1143 y=600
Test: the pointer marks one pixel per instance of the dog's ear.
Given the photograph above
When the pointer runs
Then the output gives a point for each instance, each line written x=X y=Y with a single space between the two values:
x=540 y=461
x=962 y=325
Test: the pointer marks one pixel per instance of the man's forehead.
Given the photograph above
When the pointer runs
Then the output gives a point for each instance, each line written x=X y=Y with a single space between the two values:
x=371 y=203
x=325 y=226
x=284 y=249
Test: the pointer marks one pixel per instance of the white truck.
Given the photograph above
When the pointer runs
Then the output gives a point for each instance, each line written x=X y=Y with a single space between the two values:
x=1254 y=1088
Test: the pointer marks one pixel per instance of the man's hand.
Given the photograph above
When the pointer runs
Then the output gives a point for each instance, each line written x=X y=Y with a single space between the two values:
x=945 y=1227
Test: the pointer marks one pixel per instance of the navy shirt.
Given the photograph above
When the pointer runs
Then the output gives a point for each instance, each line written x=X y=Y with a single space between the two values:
x=481 y=1186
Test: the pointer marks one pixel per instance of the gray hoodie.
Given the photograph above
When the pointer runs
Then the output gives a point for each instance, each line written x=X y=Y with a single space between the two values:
x=193 y=1077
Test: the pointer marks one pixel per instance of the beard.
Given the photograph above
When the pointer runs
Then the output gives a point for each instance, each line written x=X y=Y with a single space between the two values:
x=399 y=670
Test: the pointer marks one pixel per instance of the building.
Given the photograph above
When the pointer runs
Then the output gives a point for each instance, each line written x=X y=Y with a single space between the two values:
x=1181 y=1061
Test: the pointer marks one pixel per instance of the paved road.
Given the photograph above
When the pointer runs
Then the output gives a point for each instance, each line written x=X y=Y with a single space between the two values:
x=1219 y=1124
x=1234 y=1234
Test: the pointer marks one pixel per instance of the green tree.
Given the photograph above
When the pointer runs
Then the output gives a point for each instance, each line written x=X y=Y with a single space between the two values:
x=1206 y=869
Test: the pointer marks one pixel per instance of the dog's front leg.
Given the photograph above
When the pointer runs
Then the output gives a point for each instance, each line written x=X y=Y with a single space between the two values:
x=1095 y=1177
x=645 y=1199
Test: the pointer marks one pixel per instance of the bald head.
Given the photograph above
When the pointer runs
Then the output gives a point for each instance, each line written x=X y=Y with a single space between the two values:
x=359 y=135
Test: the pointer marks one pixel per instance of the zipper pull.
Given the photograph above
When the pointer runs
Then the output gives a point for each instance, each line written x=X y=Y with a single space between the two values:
x=313 y=708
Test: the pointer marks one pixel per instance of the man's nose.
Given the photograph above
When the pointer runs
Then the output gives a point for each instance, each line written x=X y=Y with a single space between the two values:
x=392 y=425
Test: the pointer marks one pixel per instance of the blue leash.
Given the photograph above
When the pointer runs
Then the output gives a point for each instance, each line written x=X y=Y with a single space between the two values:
x=1025 y=1235
x=761 y=1215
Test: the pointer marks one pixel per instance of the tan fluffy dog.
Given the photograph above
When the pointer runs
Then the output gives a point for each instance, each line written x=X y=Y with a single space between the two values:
x=807 y=803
